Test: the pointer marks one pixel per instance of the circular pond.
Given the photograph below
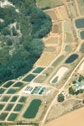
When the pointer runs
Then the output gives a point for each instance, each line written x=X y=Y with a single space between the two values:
x=71 y=58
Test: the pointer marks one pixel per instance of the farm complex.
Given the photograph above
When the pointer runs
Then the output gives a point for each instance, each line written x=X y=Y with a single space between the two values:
x=55 y=85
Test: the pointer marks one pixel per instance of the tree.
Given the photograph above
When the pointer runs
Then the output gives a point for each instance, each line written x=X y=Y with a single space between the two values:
x=6 y=31
x=36 y=47
x=9 y=42
x=60 y=98
x=14 y=32
x=80 y=78
x=27 y=48
x=71 y=91
x=74 y=82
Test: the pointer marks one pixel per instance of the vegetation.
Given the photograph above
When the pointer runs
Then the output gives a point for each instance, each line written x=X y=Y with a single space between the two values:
x=71 y=91
x=83 y=100
x=80 y=78
x=74 y=92
x=60 y=98
x=20 y=36
x=74 y=82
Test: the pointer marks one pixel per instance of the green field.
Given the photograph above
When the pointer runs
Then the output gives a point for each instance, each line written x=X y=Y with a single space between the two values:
x=12 y=117
x=18 y=107
x=9 y=107
x=32 y=109
x=8 y=84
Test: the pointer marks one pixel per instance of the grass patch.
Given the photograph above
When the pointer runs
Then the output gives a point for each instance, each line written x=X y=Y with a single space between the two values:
x=48 y=3
x=69 y=38
x=40 y=79
x=32 y=109
x=58 y=60
x=12 y=117
x=68 y=48
x=82 y=48
x=52 y=40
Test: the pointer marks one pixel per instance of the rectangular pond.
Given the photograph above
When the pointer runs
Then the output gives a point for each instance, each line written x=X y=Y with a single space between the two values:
x=32 y=109
x=79 y=23
x=8 y=84
x=12 y=117
x=29 y=78
x=38 y=70
x=82 y=34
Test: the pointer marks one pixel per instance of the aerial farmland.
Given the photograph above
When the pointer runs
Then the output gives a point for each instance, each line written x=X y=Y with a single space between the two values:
x=53 y=87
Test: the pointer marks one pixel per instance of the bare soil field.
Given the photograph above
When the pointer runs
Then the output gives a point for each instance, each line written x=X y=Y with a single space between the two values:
x=61 y=109
x=75 y=118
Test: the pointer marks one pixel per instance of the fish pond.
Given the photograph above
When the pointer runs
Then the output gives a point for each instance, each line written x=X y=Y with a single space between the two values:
x=32 y=109
x=79 y=23
x=71 y=58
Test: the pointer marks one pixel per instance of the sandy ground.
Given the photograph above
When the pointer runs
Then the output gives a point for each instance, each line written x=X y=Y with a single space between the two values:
x=81 y=68
x=75 y=118
x=60 y=73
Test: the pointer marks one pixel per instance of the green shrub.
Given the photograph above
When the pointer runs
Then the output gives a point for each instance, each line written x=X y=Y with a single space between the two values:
x=60 y=98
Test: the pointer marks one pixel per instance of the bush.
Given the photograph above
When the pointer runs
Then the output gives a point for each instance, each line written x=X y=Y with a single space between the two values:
x=71 y=91
x=60 y=98
x=80 y=78
x=74 y=82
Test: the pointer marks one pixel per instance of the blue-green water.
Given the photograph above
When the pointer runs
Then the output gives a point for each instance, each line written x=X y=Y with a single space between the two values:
x=72 y=58
x=79 y=23
x=82 y=34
